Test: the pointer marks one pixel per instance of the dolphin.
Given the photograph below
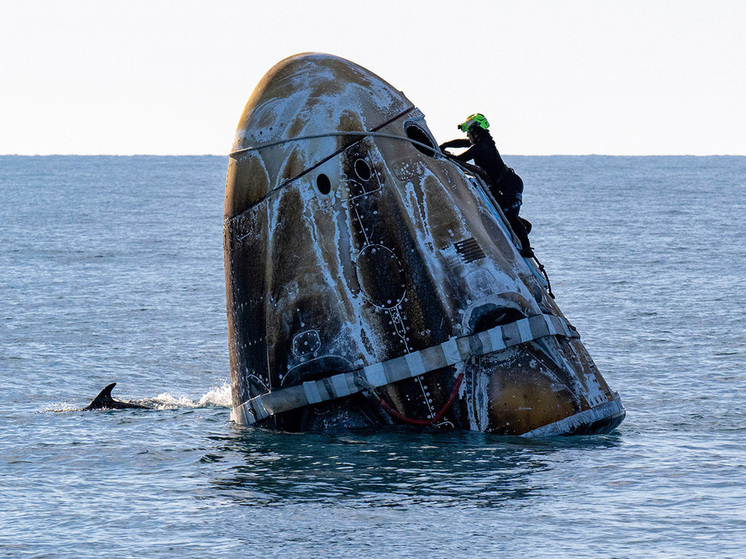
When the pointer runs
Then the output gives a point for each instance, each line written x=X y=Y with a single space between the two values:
x=104 y=401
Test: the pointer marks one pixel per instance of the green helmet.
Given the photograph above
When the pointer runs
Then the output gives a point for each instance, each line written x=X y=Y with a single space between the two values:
x=477 y=119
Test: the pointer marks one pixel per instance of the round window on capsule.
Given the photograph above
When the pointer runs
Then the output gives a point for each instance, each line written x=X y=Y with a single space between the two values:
x=323 y=184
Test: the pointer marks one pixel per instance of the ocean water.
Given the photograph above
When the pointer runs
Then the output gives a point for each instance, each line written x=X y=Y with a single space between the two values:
x=111 y=271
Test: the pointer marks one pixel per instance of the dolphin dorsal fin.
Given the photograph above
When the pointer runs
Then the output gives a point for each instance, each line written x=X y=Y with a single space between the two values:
x=104 y=399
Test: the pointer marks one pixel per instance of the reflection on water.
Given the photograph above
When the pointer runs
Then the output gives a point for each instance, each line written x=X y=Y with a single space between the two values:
x=395 y=468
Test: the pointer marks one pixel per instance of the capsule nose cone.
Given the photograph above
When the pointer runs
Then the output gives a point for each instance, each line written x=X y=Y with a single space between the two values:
x=297 y=116
x=337 y=93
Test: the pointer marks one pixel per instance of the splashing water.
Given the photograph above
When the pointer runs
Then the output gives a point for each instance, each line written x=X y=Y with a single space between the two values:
x=217 y=396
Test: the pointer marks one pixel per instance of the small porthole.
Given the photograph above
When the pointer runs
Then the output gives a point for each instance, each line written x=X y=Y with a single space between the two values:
x=323 y=184
x=362 y=170
x=417 y=134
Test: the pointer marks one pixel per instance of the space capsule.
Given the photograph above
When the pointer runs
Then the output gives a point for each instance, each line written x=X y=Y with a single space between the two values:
x=371 y=280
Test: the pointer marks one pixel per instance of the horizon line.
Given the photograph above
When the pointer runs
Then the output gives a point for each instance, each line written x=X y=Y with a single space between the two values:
x=504 y=155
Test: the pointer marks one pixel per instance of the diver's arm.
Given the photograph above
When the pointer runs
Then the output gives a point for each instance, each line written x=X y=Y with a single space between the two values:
x=457 y=143
x=468 y=155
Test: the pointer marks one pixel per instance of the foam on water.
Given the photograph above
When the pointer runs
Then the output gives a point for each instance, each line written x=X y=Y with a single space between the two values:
x=217 y=396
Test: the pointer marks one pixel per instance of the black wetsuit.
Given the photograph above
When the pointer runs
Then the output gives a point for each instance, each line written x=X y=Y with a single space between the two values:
x=506 y=187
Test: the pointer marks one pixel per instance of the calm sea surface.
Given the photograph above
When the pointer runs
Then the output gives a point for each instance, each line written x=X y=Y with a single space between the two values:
x=111 y=270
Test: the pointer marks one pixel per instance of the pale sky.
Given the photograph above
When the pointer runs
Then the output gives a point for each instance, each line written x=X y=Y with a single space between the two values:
x=648 y=77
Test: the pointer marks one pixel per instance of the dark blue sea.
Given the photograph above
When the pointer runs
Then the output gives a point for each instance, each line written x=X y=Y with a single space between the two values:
x=111 y=270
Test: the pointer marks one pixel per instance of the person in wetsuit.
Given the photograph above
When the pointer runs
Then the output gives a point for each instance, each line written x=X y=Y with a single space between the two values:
x=505 y=185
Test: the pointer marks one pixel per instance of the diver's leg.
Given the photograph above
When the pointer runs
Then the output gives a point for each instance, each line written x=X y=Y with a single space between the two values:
x=520 y=230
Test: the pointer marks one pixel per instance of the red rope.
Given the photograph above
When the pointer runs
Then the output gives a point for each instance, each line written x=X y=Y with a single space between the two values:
x=438 y=416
